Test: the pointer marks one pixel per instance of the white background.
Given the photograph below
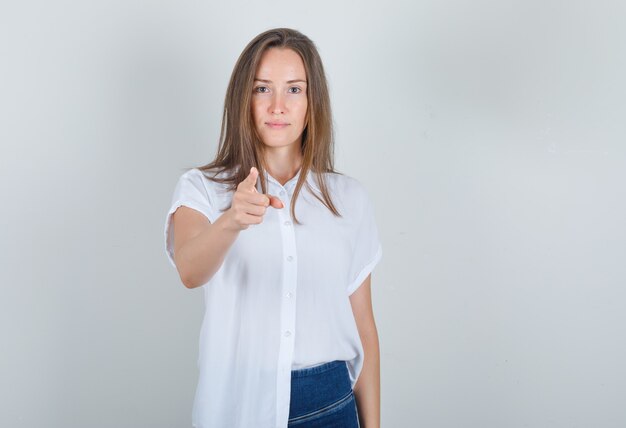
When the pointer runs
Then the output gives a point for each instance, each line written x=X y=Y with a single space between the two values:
x=490 y=135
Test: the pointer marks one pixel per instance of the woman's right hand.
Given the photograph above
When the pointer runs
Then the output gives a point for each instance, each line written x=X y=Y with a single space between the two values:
x=248 y=205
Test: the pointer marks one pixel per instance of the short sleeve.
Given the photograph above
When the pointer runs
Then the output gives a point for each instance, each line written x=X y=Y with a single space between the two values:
x=191 y=192
x=367 y=249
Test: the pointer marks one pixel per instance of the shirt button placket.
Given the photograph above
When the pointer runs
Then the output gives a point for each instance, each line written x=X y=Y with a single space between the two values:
x=287 y=307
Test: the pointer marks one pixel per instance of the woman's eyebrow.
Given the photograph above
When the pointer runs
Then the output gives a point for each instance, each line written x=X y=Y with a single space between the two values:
x=288 y=81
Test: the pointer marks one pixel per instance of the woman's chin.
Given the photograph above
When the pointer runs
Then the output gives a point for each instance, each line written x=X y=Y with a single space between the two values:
x=277 y=143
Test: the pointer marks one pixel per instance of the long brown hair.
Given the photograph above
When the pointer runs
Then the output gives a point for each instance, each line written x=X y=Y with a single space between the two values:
x=240 y=146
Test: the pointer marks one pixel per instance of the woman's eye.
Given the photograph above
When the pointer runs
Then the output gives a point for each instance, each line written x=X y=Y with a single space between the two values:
x=264 y=89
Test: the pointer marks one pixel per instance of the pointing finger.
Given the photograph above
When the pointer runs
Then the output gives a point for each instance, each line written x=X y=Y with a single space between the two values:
x=251 y=179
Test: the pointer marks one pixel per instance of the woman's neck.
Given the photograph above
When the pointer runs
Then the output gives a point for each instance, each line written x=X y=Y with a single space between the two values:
x=282 y=166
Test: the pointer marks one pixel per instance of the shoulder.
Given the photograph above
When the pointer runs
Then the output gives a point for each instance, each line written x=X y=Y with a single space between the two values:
x=205 y=178
x=346 y=186
x=198 y=174
x=193 y=175
x=349 y=193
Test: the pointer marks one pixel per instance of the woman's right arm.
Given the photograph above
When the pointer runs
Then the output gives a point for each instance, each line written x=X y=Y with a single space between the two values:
x=201 y=246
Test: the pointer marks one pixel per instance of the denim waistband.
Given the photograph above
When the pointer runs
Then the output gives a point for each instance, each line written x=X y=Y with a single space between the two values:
x=308 y=371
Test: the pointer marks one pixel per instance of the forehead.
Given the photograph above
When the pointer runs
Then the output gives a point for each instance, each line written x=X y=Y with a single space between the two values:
x=282 y=64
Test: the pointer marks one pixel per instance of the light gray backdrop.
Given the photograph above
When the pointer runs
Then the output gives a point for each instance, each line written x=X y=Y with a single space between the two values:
x=491 y=137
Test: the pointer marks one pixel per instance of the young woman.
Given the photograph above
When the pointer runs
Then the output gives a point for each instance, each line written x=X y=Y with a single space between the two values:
x=283 y=246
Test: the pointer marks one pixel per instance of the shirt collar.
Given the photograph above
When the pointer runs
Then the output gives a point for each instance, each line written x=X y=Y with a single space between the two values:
x=291 y=184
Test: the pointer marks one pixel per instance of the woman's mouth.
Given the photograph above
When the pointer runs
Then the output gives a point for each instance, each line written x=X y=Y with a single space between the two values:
x=276 y=125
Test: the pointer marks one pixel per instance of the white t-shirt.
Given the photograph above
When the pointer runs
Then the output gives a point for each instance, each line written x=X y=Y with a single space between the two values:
x=279 y=301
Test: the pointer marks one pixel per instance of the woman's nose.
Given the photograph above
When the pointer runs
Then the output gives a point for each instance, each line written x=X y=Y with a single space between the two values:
x=277 y=105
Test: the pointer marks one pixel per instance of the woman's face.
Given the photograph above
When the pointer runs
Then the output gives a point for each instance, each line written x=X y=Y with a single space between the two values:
x=279 y=98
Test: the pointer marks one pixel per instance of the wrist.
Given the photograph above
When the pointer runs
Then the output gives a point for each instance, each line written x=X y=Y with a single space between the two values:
x=226 y=222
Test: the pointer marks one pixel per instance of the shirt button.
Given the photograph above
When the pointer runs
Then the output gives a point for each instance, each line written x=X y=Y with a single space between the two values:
x=289 y=258
x=287 y=223
x=282 y=192
x=287 y=333
x=289 y=294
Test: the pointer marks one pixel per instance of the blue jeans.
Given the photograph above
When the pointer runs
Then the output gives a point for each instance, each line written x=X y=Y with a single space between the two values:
x=322 y=397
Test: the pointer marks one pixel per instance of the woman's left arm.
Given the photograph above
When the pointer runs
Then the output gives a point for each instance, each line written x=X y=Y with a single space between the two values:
x=367 y=388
